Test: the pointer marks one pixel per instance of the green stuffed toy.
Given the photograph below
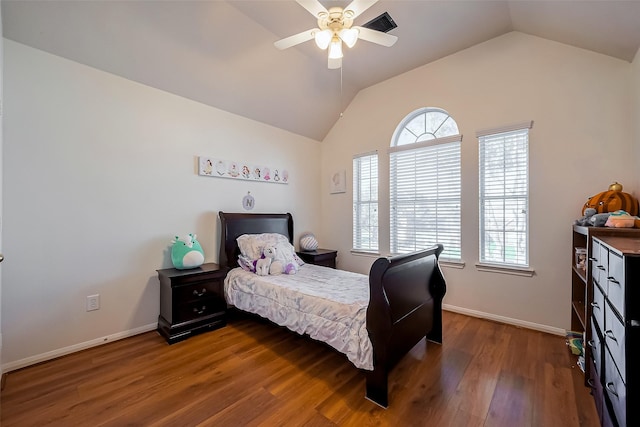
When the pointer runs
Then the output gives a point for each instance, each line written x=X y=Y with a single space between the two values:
x=186 y=252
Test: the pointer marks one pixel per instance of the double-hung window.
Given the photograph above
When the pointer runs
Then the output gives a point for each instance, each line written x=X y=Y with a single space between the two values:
x=425 y=184
x=365 y=202
x=504 y=195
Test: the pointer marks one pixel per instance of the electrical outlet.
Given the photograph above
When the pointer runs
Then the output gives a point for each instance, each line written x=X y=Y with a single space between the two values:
x=93 y=302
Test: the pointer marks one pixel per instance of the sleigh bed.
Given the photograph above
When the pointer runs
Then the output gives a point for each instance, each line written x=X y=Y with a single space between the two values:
x=402 y=305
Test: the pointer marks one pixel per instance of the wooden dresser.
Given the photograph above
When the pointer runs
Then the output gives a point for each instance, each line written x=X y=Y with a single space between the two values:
x=613 y=338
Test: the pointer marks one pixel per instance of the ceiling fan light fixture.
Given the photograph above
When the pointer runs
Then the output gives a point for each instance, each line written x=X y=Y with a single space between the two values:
x=323 y=38
x=349 y=36
x=335 y=48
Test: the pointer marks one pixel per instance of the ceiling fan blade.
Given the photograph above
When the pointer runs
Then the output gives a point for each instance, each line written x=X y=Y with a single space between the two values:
x=335 y=63
x=313 y=6
x=359 y=6
x=295 y=39
x=377 y=37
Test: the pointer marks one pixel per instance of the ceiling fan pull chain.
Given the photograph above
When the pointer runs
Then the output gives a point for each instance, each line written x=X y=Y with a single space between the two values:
x=341 y=101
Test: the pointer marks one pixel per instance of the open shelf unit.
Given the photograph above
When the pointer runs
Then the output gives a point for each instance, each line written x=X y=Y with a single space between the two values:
x=581 y=284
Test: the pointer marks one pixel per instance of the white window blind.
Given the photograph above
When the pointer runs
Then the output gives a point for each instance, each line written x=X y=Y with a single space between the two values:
x=365 y=202
x=425 y=196
x=504 y=197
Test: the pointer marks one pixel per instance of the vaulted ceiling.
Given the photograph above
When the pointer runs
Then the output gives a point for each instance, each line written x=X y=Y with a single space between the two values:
x=221 y=53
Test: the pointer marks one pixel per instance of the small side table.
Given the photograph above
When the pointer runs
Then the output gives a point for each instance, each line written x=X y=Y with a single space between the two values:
x=191 y=301
x=326 y=257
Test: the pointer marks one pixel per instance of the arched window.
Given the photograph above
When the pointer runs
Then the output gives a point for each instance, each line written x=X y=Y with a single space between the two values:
x=425 y=183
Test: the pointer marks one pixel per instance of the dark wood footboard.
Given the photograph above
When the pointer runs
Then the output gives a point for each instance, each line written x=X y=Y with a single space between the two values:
x=405 y=305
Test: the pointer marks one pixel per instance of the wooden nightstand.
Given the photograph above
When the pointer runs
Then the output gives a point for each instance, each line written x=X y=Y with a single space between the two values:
x=191 y=301
x=326 y=257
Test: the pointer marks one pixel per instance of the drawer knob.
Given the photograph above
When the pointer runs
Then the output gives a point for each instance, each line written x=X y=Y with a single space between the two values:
x=591 y=343
x=591 y=383
x=610 y=335
x=600 y=267
x=199 y=294
x=613 y=279
x=202 y=310
x=611 y=389
x=595 y=305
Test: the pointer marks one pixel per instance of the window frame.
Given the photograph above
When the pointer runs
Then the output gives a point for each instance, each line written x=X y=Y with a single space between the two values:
x=359 y=203
x=520 y=130
x=427 y=145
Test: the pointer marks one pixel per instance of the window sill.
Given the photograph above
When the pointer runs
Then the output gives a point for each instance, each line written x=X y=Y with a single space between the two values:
x=357 y=252
x=504 y=269
x=451 y=264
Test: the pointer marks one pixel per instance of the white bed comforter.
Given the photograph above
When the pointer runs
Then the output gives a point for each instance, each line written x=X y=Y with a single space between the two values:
x=329 y=305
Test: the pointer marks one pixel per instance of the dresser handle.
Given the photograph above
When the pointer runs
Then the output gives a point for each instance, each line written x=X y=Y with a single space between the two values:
x=609 y=387
x=199 y=294
x=195 y=310
x=613 y=279
x=610 y=335
x=590 y=383
x=591 y=343
x=593 y=259
x=600 y=267
x=595 y=305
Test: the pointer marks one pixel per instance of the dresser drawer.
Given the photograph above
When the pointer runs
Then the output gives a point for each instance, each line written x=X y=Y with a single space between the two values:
x=595 y=383
x=598 y=263
x=595 y=344
x=615 y=390
x=614 y=336
x=616 y=286
x=597 y=306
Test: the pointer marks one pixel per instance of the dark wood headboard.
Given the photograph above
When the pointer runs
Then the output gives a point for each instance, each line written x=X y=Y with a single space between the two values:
x=234 y=225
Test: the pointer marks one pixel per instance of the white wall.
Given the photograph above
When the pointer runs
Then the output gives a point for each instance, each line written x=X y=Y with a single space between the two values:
x=1 y=174
x=636 y=119
x=100 y=173
x=579 y=144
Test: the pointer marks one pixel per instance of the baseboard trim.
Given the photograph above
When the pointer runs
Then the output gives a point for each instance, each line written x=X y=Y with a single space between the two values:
x=23 y=363
x=507 y=320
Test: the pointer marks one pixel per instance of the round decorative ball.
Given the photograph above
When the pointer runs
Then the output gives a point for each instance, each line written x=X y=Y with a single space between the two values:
x=616 y=186
x=308 y=242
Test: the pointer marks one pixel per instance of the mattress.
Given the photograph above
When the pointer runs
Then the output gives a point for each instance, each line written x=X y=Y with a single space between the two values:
x=326 y=304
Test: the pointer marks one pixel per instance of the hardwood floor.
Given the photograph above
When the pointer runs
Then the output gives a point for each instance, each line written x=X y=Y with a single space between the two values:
x=255 y=373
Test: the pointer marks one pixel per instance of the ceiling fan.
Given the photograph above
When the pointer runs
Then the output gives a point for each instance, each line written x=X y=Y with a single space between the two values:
x=335 y=26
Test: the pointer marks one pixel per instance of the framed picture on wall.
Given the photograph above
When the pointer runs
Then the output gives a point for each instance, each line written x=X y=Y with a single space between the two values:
x=338 y=182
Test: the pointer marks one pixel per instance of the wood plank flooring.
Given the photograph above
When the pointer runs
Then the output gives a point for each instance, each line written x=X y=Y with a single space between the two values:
x=255 y=373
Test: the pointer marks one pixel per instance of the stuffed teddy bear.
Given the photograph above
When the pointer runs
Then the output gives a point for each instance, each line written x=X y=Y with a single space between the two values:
x=263 y=266
x=612 y=200
x=588 y=213
x=186 y=252
x=599 y=220
x=276 y=265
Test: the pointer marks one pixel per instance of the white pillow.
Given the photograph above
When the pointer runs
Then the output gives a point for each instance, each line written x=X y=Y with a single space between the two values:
x=252 y=245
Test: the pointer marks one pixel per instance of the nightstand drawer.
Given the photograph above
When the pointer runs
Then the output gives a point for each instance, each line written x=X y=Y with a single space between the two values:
x=198 y=290
x=197 y=309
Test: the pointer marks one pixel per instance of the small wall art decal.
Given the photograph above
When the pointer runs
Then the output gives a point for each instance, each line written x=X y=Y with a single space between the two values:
x=210 y=166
